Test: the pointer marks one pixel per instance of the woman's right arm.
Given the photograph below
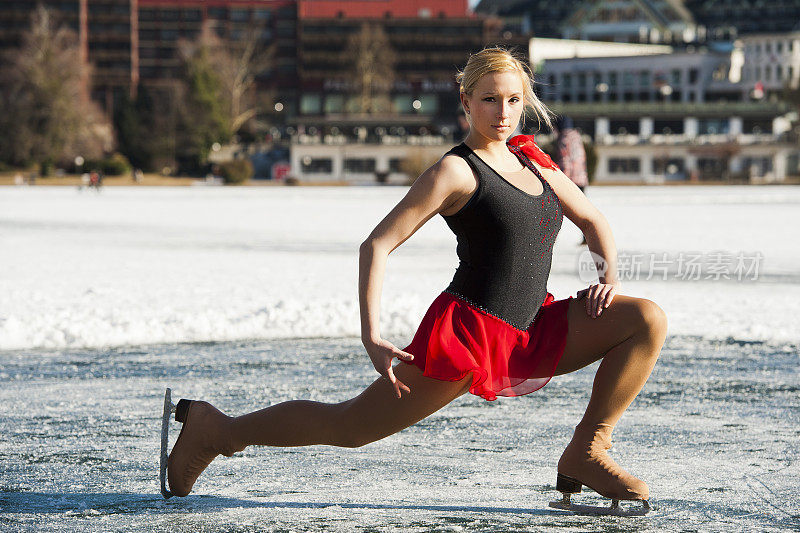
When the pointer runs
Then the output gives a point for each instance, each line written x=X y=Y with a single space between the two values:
x=435 y=190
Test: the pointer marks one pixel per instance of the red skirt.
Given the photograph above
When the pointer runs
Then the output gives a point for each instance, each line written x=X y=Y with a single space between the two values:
x=456 y=338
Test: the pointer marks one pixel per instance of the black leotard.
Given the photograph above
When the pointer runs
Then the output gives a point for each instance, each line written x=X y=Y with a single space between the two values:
x=505 y=240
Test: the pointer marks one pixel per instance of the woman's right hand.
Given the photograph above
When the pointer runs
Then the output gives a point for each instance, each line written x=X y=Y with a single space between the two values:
x=381 y=353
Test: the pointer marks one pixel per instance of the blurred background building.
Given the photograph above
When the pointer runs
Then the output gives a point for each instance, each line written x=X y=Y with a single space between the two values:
x=364 y=91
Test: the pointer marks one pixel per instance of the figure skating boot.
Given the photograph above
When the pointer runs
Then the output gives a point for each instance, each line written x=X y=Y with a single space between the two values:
x=204 y=435
x=585 y=462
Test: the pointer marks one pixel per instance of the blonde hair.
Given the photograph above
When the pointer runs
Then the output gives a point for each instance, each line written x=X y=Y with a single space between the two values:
x=499 y=59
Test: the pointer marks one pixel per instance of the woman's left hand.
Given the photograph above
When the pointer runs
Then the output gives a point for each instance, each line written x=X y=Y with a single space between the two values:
x=598 y=297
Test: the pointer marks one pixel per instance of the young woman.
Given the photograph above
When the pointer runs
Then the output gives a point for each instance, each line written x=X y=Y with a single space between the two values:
x=495 y=330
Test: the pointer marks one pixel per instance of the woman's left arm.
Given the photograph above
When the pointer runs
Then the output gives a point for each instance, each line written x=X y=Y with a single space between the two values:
x=598 y=235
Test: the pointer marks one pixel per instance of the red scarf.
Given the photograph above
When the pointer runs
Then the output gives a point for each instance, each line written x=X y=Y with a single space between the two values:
x=529 y=148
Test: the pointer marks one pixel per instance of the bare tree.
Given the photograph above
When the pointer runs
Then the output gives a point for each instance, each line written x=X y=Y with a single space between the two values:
x=237 y=64
x=48 y=117
x=372 y=63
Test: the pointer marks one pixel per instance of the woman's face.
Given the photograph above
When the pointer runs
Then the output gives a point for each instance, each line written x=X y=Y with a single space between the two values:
x=495 y=105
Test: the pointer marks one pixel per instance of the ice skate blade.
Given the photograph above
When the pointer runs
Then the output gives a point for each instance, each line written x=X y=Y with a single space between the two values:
x=169 y=408
x=613 y=510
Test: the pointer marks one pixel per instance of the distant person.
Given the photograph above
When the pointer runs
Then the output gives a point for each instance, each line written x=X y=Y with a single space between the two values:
x=570 y=154
x=495 y=330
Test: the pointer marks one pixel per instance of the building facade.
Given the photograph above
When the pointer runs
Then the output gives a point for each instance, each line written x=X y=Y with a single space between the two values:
x=429 y=40
x=646 y=21
x=771 y=60
x=674 y=116
x=130 y=42
x=107 y=36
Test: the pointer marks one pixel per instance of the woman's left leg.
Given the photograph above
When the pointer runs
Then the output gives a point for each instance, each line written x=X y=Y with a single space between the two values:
x=628 y=336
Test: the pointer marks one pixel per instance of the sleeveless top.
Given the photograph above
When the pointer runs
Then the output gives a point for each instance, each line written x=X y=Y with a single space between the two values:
x=505 y=239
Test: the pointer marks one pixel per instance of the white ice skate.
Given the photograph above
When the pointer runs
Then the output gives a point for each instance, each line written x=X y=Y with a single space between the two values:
x=568 y=486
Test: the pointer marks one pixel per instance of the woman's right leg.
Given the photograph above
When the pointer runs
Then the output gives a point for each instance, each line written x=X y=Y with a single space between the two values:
x=372 y=415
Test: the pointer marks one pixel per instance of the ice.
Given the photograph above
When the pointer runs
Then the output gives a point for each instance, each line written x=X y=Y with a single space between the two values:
x=248 y=296
x=714 y=433
x=133 y=266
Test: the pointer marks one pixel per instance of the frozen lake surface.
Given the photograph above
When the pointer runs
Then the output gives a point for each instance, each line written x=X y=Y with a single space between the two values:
x=159 y=265
x=248 y=297
x=714 y=433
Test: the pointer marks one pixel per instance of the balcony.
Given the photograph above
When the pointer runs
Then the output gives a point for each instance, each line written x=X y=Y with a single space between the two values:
x=670 y=109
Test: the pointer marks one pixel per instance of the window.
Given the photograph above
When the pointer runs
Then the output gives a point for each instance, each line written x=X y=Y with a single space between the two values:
x=192 y=15
x=711 y=167
x=756 y=126
x=170 y=14
x=310 y=104
x=644 y=78
x=334 y=103
x=354 y=164
x=240 y=15
x=623 y=127
x=612 y=79
x=627 y=79
x=316 y=165
x=620 y=165
x=664 y=165
x=566 y=79
x=402 y=103
x=757 y=165
x=675 y=76
x=430 y=104
x=667 y=126
x=711 y=126
x=694 y=74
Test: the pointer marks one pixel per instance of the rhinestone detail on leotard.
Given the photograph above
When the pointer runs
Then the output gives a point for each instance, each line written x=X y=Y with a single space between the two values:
x=499 y=234
x=482 y=308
